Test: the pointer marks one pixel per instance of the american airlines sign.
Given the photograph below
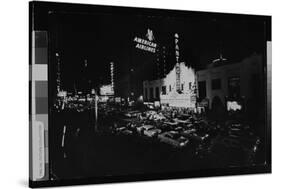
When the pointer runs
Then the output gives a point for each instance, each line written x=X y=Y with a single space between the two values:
x=146 y=44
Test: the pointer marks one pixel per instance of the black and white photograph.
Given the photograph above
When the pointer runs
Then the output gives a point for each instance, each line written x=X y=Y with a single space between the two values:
x=144 y=94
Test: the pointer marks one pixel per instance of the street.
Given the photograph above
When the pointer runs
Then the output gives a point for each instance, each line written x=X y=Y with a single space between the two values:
x=121 y=146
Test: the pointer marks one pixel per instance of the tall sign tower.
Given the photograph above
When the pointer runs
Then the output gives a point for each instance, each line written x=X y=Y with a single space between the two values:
x=177 y=53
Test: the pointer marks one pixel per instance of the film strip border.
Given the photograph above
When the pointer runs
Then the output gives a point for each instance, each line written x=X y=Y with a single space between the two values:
x=38 y=115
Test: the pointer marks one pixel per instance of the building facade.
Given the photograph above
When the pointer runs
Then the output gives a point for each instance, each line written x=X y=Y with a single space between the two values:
x=165 y=89
x=238 y=80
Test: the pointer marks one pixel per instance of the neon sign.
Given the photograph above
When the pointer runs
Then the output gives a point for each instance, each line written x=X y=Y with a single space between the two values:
x=177 y=53
x=112 y=75
x=146 y=44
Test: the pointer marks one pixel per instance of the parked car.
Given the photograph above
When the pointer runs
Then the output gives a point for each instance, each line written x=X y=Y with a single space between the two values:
x=188 y=132
x=171 y=123
x=165 y=127
x=132 y=113
x=199 y=137
x=173 y=138
x=177 y=120
x=148 y=130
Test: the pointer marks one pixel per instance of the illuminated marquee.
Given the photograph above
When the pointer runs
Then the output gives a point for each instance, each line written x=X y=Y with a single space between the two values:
x=106 y=90
x=146 y=45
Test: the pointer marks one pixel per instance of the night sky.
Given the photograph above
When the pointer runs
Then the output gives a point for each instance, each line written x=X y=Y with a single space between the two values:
x=104 y=38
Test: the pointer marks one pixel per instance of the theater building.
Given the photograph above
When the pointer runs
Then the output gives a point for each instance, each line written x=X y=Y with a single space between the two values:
x=169 y=92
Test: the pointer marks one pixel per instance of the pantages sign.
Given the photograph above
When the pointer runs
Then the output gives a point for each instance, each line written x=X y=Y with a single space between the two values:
x=146 y=44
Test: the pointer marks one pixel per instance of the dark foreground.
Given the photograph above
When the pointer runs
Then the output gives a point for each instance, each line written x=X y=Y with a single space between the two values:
x=88 y=153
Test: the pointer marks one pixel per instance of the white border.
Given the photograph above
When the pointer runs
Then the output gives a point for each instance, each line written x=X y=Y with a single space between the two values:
x=14 y=92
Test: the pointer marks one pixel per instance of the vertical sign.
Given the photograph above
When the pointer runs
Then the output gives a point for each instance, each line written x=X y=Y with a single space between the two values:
x=177 y=53
x=112 y=75
x=164 y=60
x=58 y=73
